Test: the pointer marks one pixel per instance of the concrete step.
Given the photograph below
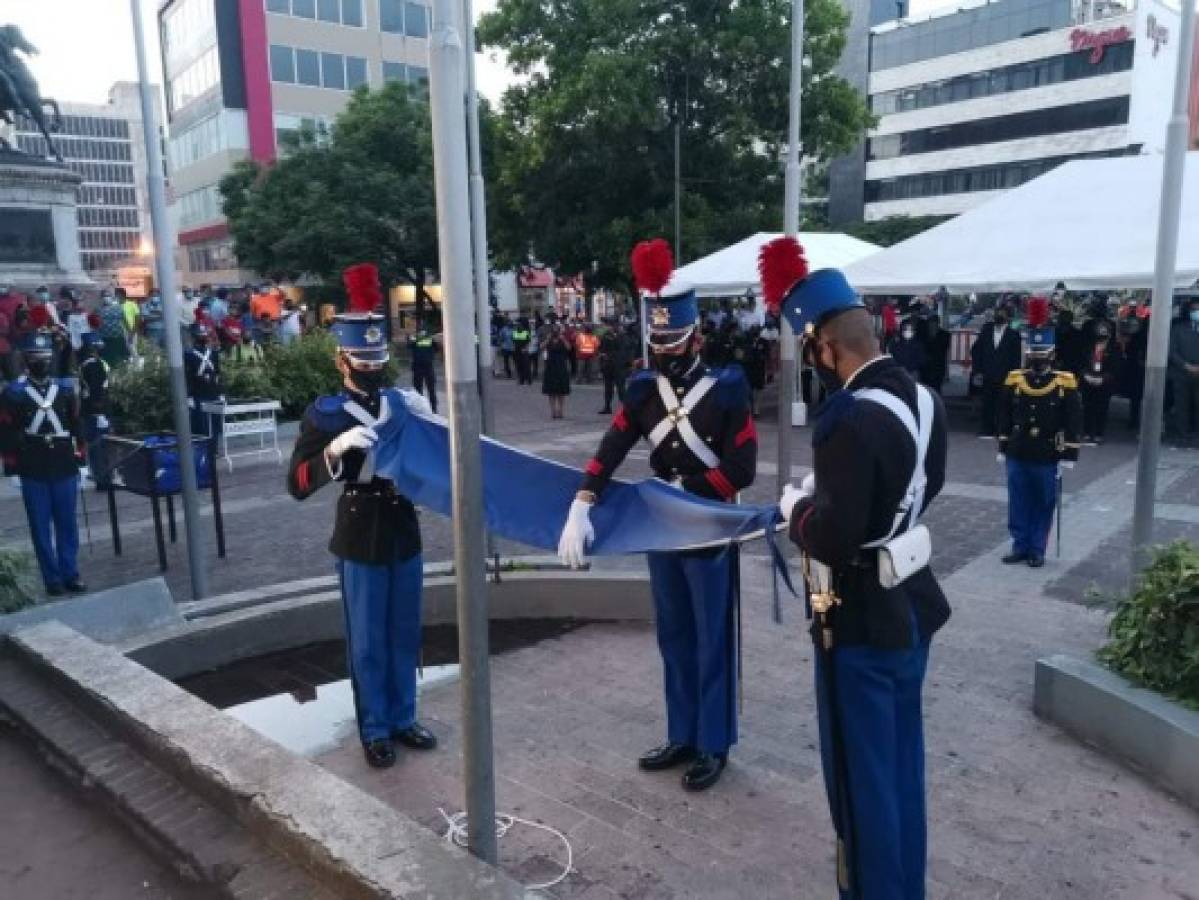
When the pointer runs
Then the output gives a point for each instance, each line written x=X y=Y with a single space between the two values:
x=182 y=828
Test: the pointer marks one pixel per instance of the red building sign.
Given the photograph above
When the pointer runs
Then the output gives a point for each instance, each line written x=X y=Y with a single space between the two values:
x=1098 y=41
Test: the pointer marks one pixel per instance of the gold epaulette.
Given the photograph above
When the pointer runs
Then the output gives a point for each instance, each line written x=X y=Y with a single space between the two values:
x=1066 y=380
x=1014 y=378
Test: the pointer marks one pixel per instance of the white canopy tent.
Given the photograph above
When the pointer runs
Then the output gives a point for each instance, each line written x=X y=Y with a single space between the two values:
x=734 y=270
x=1091 y=224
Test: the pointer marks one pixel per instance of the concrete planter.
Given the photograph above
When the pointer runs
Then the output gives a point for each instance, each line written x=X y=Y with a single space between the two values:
x=1153 y=734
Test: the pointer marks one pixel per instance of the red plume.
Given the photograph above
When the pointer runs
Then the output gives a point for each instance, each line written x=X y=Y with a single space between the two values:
x=652 y=264
x=39 y=316
x=362 y=287
x=781 y=265
x=1036 y=313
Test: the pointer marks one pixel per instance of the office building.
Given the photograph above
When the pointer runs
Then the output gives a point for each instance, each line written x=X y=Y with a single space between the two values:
x=981 y=99
x=105 y=144
x=241 y=74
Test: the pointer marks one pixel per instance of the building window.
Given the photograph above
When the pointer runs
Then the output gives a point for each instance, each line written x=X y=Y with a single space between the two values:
x=969 y=180
x=391 y=16
x=186 y=26
x=355 y=72
x=351 y=13
x=303 y=9
x=416 y=20
x=308 y=68
x=333 y=71
x=199 y=206
x=278 y=6
x=211 y=257
x=1035 y=123
x=394 y=71
x=329 y=11
x=418 y=77
x=283 y=64
x=196 y=80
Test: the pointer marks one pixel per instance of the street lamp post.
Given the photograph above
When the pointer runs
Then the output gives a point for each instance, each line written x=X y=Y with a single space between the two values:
x=791 y=226
x=1173 y=167
x=454 y=251
x=166 y=283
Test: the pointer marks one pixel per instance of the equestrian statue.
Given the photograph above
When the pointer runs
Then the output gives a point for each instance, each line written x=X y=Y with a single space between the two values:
x=19 y=94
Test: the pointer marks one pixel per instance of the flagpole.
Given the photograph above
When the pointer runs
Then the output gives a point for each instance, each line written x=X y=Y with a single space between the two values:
x=787 y=367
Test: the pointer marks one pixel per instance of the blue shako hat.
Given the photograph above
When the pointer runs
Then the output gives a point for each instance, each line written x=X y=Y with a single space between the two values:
x=91 y=339
x=669 y=316
x=37 y=343
x=817 y=297
x=360 y=332
x=1041 y=340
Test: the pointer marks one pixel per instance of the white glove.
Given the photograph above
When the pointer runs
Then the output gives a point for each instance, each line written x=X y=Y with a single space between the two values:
x=1066 y=464
x=102 y=421
x=357 y=438
x=807 y=487
x=577 y=534
x=416 y=402
x=791 y=496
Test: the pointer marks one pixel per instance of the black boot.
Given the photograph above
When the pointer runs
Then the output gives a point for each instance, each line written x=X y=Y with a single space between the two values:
x=380 y=754
x=705 y=771
x=1013 y=558
x=666 y=757
x=416 y=737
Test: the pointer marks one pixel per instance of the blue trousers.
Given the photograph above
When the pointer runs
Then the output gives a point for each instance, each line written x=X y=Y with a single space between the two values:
x=1032 y=497
x=879 y=712
x=693 y=605
x=51 y=505
x=382 y=605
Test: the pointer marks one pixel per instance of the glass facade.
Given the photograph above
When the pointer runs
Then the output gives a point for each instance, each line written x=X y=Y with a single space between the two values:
x=187 y=27
x=335 y=12
x=969 y=180
x=404 y=17
x=224 y=131
x=1034 y=123
x=291 y=65
x=212 y=257
x=199 y=207
x=967 y=29
x=196 y=80
x=1038 y=73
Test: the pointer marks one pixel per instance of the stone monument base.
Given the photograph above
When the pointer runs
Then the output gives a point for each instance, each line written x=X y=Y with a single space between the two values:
x=39 y=231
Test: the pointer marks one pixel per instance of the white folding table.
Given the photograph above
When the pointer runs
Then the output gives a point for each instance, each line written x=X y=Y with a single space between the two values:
x=240 y=419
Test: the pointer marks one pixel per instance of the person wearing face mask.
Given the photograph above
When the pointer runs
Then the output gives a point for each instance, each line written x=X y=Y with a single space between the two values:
x=1183 y=372
x=907 y=350
x=879 y=450
x=936 y=354
x=376 y=539
x=40 y=429
x=1097 y=383
x=1133 y=336
x=1040 y=416
x=995 y=352
x=698 y=422
x=202 y=373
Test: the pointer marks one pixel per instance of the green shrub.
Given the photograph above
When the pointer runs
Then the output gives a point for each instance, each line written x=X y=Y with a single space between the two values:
x=301 y=371
x=16 y=581
x=1154 y=635
x=141 y=397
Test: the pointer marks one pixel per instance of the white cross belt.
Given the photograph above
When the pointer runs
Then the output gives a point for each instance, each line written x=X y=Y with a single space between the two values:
x=677 y=418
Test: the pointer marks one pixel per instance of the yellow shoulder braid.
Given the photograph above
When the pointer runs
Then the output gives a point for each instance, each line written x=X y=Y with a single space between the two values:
x=1014 y=378
x=1067 y=380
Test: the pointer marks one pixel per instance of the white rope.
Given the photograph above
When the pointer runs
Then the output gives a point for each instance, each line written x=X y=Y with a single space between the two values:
x=456 y=833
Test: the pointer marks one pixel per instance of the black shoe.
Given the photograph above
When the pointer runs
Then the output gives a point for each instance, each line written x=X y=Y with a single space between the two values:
x=76 y=587
x=379 y=754
x=666 y=757
x=1013 y=558
x=705 y=771
x=416 y=737
x=1035 y=562
x=54 y=590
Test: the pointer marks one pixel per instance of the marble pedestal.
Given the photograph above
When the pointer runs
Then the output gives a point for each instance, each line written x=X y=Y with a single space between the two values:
x=39 y=233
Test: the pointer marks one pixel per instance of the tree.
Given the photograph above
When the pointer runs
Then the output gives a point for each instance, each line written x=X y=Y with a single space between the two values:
x=588 y=138
x=894 y=229
x=365 y=195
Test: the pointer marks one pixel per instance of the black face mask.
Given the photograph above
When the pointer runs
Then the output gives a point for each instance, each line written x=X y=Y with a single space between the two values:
x=675 y=366
x=1040 y=364
x=39 y=367
x=368 y=381
x=1000 y=320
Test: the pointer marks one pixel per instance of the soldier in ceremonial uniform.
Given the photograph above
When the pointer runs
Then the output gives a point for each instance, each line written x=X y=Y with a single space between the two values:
x=698 y=422
x=93 y=396
x=879 y=448
x=202 y=372
x=376 y=538
x=1039 y=416
x=41 y=427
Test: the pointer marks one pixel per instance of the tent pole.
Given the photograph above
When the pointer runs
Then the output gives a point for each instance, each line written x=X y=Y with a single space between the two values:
x=1173 y=169
x=791 y=225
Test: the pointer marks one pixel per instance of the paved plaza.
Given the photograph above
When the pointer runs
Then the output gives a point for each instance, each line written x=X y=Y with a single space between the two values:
x=1017 y=809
